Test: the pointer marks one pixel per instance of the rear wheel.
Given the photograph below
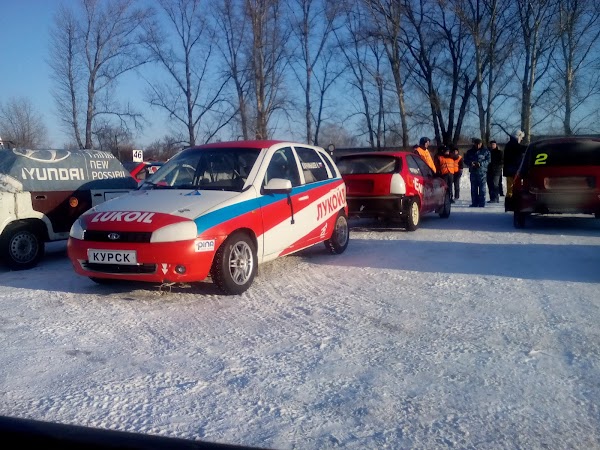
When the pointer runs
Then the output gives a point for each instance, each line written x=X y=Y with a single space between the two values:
x=413 y=215
x=338 y=242
x=22 y=246
x=445 y=212
x=235 y=264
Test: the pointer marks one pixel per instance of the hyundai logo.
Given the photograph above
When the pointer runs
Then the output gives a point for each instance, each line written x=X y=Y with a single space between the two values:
x=114 y=236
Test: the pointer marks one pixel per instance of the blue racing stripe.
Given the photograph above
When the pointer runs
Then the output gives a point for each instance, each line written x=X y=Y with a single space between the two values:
x=227 y=213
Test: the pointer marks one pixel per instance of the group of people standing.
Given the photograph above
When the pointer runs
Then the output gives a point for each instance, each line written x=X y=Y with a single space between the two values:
x=448 y=164
x=487 y=166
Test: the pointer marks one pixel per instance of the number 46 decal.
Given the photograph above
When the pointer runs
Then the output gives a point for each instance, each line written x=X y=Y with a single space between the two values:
x=540 y=158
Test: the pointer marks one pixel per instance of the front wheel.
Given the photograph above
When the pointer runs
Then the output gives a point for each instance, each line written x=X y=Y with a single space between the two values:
x=338 y=242
x=235 y=264
x=21 y=246
x=413 y=215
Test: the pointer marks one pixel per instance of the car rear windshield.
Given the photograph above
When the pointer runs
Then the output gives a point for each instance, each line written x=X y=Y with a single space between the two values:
x=212 y=169
x=567 y=153
x=368 y=164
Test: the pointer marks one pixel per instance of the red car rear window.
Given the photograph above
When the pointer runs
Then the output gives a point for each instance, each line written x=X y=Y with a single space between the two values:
x=368 y=164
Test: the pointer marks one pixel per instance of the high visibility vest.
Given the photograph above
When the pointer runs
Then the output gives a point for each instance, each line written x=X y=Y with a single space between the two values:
x=446 y=164
x=457 y=164
x=426 y=156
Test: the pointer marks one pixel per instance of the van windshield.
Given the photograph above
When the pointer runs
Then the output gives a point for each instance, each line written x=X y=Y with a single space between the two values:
x=224 y=169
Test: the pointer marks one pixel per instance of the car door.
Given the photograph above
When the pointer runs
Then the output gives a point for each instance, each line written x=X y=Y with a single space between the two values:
x=281 y=228
x=421 y=180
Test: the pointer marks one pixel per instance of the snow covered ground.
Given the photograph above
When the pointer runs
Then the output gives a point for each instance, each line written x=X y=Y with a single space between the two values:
x=464 y=334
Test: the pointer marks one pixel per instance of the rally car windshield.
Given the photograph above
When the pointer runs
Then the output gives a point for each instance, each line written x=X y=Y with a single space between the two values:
x=224 y=169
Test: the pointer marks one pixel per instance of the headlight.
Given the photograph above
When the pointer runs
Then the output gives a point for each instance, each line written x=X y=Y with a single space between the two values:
x=182 y=231
x=77 y=230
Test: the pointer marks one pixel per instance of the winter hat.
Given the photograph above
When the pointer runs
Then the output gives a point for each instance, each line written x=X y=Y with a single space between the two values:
x=423 y=140
x=519 y=134
x=477 y=141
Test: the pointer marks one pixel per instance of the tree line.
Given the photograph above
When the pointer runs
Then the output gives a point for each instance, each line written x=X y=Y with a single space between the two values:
x=348 y=72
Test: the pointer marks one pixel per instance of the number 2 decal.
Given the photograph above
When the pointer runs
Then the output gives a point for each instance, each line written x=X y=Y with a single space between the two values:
x=540 y=159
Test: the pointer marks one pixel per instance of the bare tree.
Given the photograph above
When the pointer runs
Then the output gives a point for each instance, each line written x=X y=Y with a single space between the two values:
x=22 y=124
x=388 y=17
x=491 y=29
x=537 y=21
x=234 y=48
x=362 y=54
x=268 y=59
x=312 y=24
x=577 y=61
x=193 y=95
x=442 y=63
x=90 y=49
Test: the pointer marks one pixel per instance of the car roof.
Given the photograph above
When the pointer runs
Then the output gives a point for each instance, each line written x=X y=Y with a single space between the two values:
x=257 y=144
x=566 y=139
x=396 y=153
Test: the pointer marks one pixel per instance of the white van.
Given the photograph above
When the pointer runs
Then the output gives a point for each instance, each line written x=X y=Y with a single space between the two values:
x=42 y=192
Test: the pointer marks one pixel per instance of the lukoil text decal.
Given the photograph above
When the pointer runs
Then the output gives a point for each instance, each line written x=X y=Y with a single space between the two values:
x=332 y=203
x=121 y=216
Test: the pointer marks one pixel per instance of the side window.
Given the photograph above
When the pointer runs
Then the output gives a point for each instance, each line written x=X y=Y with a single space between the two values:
x=283 y=165
x=313 y=167
x=329 y=165
x=424 y=168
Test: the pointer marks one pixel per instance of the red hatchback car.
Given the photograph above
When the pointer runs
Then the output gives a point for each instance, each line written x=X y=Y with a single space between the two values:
x=557 y=176
x=393 y=185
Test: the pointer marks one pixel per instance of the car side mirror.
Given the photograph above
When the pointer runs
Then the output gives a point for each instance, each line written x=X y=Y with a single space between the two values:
x=278 y=186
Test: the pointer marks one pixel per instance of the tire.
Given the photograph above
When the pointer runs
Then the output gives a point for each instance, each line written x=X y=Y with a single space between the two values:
x=235 y=264
x=445 y=212
x=338 y=242
x=413 y=215
x=22 y=246
x=519 y=219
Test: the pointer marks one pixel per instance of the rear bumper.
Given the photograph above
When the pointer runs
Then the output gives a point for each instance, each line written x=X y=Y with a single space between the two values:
x=388 y=206
x=574 y=202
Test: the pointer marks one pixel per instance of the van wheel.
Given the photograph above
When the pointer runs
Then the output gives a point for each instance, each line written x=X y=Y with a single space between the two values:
x=21 y=246
x=413 y=215
x=338 y=242
x=235 y=264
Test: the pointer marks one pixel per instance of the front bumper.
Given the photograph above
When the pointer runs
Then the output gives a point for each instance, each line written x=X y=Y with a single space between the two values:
x=156 y=262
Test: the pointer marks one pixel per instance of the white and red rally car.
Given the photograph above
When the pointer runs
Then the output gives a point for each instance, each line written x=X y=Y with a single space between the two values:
x=215 y=210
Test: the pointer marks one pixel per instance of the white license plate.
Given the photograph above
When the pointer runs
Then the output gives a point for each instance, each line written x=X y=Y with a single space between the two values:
x=122 y=257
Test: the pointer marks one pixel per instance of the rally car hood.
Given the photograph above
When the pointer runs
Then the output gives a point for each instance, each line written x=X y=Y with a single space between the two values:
x=186 y=204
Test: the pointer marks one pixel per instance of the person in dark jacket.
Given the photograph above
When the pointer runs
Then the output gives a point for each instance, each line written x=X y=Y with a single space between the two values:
x=477 y=159
x=513 y=154
x=494 y=172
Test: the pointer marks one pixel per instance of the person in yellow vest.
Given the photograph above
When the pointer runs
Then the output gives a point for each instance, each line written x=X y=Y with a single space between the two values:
x=445 y=167
x=423 y=152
